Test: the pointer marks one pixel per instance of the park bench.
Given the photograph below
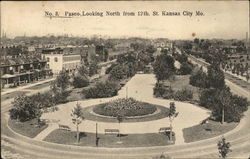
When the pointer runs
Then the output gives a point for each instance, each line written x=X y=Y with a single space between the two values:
x=111 y=131
x=64 y=127
x=164 y=129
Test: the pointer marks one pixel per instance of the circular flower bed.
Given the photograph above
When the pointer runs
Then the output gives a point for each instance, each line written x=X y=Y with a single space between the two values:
x=127 y=107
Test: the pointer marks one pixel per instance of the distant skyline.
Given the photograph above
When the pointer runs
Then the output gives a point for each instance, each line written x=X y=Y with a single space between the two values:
x=222 y=20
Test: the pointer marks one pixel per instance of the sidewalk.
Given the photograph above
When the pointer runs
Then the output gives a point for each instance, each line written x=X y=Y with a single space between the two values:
x=10 y=90
x=46 y=132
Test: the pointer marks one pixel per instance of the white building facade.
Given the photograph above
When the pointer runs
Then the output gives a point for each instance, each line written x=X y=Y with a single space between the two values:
x=59 y=62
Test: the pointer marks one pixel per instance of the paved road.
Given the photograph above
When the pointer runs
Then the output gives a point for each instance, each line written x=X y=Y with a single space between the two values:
x=23 y=147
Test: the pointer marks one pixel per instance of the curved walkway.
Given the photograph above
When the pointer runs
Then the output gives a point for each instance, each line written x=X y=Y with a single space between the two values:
x=30 y=148
x=139 y=87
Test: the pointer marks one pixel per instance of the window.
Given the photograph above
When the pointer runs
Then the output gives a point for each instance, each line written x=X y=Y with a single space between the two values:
x=47 y=59
x=56 y=59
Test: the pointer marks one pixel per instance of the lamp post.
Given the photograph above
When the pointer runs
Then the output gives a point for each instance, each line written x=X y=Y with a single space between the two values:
x=96 y=137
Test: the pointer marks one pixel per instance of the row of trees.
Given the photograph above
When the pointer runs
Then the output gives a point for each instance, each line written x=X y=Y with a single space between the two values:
x=213 y=78
x=186 y=66
x=216 y=95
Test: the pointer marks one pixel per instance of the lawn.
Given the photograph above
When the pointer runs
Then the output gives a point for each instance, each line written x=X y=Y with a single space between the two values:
x=89 y=139
x=208 y=130
x=27 y=128
x=182 y=81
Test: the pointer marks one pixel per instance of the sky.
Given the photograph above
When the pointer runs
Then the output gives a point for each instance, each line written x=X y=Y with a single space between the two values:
x=224 y=20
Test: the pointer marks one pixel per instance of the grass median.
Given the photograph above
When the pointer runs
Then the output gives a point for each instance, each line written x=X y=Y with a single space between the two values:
x=110 y=140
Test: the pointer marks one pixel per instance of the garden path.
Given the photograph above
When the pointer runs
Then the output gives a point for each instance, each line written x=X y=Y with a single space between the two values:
x=139 y=87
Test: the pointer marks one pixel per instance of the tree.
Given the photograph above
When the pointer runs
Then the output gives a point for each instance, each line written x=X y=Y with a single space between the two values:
x=106 y=55
x=224 y=148
x=24 y=108
x=247 y=76
x=93 y=68
x=197 y=41
x=77 y=117
x=225 y=101
x=164 y=67
x=119 y=118
x=199 y=79
x=215 y=76
x=83 y=71
x=80 y=81
x=172 y=114
x=186 y=68
x=62 y=80
x=150 y=49
x=21 y=108
x=118 y=72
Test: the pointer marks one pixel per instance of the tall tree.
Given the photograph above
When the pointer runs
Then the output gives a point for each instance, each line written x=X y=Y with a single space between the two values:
x=77 y=117
x=172 y=114
x=119 y=118
x=83 y=71
x=62 y=80
x=215 y=76
x=164 y=67
x=225 y=101
x=93 y=68
x=224 y=148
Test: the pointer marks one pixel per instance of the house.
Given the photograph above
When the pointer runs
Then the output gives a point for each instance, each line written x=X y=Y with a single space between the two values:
x=19 y=69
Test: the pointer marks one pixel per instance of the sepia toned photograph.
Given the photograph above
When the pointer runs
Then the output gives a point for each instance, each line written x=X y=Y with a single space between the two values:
x=125 y=79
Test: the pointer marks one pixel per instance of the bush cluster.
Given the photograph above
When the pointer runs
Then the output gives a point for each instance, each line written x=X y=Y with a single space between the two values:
x=186 y=68
x=102 y=90
x=199 y=79
x=29 y=107
x=212 y=99
x=80 y=81
x=168 y=93
x=183 y=95
x=126 y=107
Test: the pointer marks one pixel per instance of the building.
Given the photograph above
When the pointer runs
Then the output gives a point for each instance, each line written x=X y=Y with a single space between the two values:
x=19 y=69
x=58 y=61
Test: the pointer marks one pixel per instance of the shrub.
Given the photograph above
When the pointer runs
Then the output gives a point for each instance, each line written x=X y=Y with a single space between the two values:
x=159 y=90
x=118 y=72
x=186 y=68
x=207 y=98
x=211 y=99
x=126 y=106
x=183 y=95
x=61 y=97
x=163 y=91
x=80 y=81
x=24 y=109
x=102 y=90
x=199 y=79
